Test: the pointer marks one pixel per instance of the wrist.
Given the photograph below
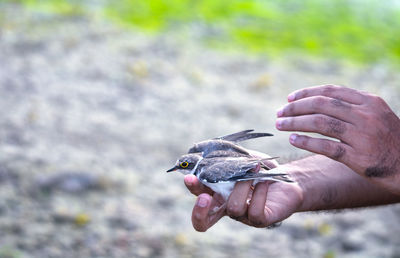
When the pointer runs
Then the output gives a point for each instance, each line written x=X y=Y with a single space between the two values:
x=311 y=182
x=297 y=175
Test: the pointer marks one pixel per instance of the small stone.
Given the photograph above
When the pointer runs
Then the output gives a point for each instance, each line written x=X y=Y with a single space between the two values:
x=165 y=202
x=181 y=239
x=81 y=219
x=263 y=81
x=121 y=222
x=62 y=216
x=156 y=246
x=325 y=229
x=353 y=242
x=139 y=69
x=329 y=254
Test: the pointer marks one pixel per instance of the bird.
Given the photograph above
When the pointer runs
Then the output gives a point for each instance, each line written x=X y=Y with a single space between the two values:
x=220 y=162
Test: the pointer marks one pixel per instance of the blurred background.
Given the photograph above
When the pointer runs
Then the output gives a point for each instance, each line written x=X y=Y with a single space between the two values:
x=100 y=97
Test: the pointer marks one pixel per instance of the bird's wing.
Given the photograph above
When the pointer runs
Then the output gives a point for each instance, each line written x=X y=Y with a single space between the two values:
x=210 y=146
x=226 y=143
x=226 y=153
x=242 y=136
x=220 y=170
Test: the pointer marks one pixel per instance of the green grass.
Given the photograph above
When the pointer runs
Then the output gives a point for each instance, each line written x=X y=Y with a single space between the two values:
x=360 y=31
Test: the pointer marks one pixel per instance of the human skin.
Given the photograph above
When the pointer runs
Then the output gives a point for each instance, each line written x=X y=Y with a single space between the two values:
x=322 y=184
x=279 y=205
x=367 y=130
x=361 y=169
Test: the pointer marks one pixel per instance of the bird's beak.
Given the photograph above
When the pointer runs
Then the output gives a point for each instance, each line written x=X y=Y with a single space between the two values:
x=172 y=169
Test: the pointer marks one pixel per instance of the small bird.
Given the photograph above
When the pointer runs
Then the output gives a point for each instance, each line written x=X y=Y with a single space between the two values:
x=220 y=162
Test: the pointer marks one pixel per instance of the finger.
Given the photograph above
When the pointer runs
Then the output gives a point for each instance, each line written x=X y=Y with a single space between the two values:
x=200 y=212
x=317 y=123
x=201 y=220
x=337 y=92
x=334 y=150
x=318 y=105
x=237 y=201
x=256 y=213
x=218 y=203
x=195 y=186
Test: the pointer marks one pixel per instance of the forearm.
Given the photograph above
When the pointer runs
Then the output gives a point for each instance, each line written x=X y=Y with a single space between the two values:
x=328 y=184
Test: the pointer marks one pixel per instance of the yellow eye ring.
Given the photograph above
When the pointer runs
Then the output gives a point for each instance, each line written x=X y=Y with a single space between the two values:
x=184 y=164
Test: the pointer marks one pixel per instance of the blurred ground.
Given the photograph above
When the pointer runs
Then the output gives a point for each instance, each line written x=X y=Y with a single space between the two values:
x=91 y=116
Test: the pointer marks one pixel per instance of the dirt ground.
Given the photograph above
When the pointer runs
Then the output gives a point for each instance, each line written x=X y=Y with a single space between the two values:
x=92 y=115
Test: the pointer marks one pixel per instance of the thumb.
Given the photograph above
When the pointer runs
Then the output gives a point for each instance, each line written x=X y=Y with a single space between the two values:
x=201 y=218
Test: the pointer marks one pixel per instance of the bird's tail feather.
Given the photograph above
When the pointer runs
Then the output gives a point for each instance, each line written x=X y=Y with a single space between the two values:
x=264 y=164
x=264 y=177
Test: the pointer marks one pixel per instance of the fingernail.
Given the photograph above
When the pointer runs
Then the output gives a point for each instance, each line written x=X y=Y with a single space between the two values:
x=279 y=123
x=292 y=138
x=279 y=113
x=202 y=202
x=291 y=97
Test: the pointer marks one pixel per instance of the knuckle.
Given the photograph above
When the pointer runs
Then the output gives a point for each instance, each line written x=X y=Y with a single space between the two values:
x=361 y=114
x=326 y=147
x=365 y=118
x=375 y=99
x=319 y=122
x=337 y=103
x=339 y=153
x=336 y=127
x=290 y=108
x=329 y=89
x=302 y=93
x=318 y=102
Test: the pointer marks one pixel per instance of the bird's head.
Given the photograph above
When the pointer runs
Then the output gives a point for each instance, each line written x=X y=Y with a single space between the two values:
x=186 y=164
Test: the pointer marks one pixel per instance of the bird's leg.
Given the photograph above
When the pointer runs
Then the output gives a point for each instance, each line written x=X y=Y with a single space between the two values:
x=219 y=204
x=216 y=209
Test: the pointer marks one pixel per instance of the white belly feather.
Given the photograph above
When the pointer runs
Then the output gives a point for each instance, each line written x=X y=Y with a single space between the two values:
x=223 y=188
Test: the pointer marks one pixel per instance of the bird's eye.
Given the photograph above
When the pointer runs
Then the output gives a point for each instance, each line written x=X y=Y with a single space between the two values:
x=184 y=164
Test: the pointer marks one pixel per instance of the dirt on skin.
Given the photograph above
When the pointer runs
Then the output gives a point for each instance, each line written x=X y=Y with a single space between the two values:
x=92 y=115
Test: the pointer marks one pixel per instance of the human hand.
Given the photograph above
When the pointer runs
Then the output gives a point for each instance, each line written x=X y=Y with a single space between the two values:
x=267 y=204
x=368 y=130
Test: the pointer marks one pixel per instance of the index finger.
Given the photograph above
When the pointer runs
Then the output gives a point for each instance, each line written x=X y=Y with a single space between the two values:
x=351 y=96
